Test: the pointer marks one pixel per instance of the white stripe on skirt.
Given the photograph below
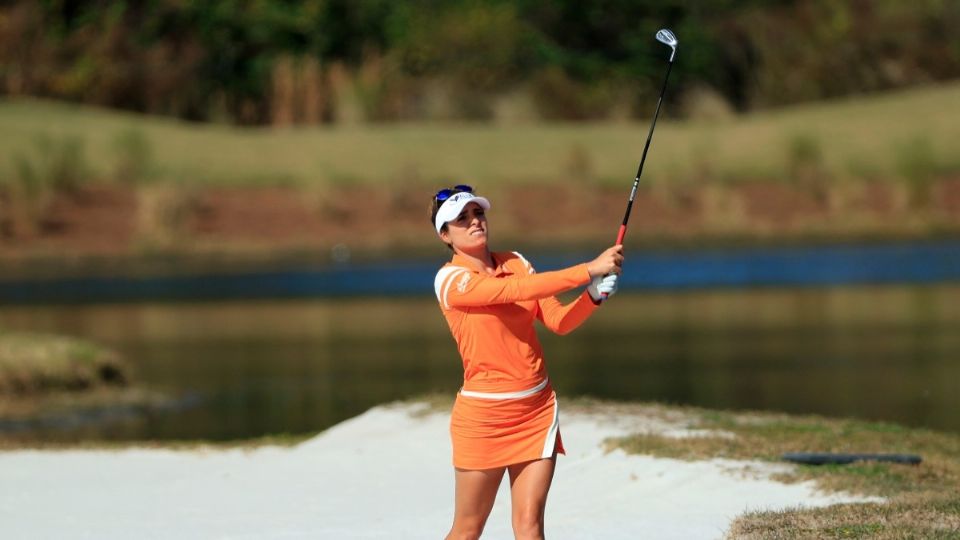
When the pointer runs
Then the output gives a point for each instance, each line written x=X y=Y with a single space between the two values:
x=551 y=441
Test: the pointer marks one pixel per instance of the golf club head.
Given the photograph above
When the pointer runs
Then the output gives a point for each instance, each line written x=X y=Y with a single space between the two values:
x=668 y=38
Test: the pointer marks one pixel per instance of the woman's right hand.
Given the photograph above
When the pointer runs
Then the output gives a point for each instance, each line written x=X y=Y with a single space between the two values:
x=609 y=262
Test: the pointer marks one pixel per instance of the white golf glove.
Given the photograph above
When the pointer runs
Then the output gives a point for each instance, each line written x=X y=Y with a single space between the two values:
x=602 y=284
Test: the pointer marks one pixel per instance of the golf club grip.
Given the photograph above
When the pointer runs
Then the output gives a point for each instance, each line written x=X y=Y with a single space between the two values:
x=620 y=235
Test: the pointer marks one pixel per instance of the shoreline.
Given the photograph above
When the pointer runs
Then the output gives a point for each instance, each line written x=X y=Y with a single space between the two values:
x=393 y=458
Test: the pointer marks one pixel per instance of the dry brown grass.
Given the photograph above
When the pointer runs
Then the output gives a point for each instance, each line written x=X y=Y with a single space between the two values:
x=923 y=500
x=927 y=517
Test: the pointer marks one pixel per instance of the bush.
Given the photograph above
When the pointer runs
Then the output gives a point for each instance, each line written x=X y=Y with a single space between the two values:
x=558 y=97
x=134 y=156
x=805 y=158
x=58 y=164
x=242 y=60
x=916 y=162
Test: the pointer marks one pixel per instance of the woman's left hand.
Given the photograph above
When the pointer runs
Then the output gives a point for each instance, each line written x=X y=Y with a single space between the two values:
x=602 y=285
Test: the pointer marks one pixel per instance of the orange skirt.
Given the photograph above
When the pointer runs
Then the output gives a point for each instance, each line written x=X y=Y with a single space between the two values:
x=490 y=433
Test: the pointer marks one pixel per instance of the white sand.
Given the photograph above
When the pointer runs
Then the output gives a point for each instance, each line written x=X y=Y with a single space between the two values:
x=384 y=474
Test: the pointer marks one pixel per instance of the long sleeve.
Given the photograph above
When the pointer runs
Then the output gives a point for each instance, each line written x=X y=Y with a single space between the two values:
x=459 y=287
x=563 y=319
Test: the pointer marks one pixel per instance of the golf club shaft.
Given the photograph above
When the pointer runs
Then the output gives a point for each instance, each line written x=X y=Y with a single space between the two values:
x=636 y=180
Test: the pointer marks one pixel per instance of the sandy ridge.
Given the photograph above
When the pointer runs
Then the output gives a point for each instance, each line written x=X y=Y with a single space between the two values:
x=383 y=474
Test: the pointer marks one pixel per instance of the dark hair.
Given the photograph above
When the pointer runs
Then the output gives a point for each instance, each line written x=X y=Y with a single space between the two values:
x=434 y=208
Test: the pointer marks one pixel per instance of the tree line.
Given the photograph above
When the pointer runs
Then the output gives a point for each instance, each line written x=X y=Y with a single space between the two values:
x=318 y=61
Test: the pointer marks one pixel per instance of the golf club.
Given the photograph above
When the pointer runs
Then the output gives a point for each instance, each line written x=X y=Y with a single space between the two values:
x=668 y=38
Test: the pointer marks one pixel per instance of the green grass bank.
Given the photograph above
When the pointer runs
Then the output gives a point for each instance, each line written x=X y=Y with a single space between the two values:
x=895 y=135
x=40 y=370
x=80 y=181
x=32 y=364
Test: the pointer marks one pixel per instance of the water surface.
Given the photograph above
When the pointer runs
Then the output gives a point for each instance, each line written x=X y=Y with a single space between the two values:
x=888 y=353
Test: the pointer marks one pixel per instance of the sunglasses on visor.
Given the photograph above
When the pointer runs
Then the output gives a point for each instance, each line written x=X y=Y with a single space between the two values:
x=446 y=193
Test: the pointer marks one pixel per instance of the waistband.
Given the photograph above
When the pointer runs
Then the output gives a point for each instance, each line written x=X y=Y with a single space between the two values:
x=506 y=395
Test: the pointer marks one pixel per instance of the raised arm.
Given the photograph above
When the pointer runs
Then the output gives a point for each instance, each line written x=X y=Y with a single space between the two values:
x=459 y=287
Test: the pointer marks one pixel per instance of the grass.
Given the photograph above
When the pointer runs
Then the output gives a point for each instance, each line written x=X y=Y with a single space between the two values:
x=923 y=500
x=40 y=363
x=931 y=518
x=904 y=134
x=855 y=169
x=282 y=440
x=146 y=400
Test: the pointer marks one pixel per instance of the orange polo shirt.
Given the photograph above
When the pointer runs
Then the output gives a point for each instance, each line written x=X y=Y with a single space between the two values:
x=491 y=317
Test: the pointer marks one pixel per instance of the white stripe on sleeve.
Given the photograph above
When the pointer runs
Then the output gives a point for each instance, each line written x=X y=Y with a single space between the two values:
x=525 y=263
x=441 y=284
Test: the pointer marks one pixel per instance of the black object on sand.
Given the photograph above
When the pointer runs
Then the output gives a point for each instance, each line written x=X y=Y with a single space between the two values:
x=808 y=458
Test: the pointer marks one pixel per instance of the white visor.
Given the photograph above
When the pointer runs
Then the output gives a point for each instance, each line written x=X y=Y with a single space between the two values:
x=452 y=207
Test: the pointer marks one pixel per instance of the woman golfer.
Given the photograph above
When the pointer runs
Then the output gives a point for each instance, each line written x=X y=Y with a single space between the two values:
x=505 y=417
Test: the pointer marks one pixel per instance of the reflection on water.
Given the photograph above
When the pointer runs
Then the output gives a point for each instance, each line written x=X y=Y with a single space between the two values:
x=885 y=353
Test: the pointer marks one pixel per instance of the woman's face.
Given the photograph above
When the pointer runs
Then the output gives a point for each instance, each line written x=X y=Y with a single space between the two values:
x=468 y=231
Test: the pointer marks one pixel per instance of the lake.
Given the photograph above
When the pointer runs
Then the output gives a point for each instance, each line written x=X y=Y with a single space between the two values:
x=247 y=368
